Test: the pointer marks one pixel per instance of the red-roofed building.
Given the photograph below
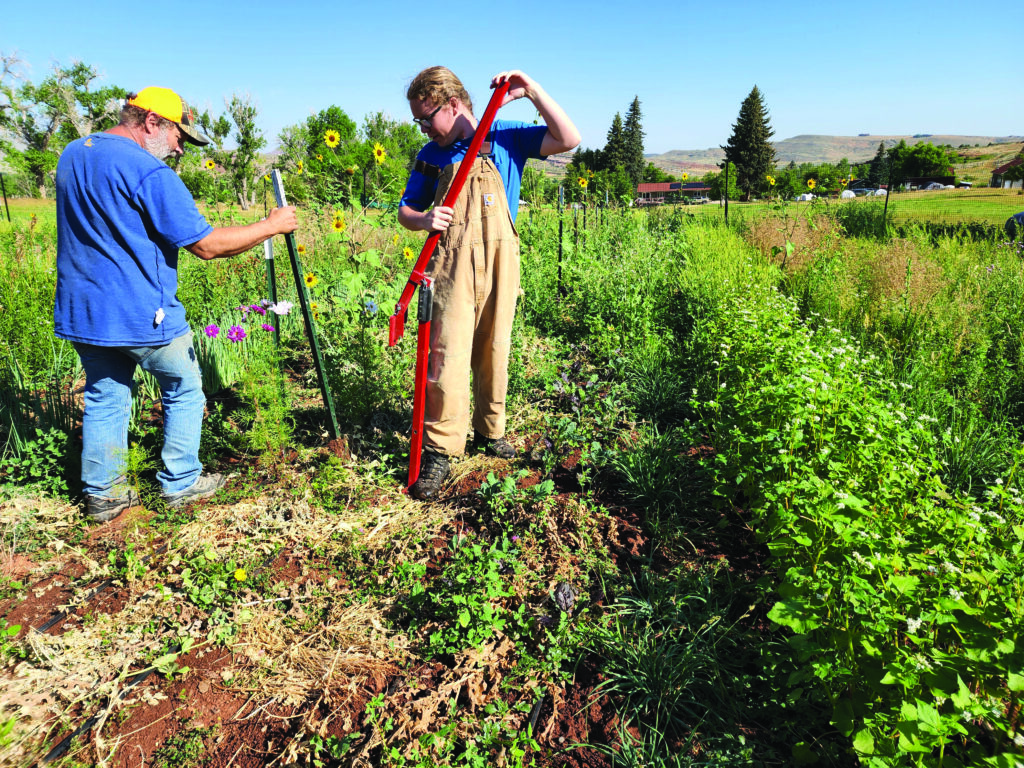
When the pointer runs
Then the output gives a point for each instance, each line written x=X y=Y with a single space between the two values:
x=653 y=193
x=997 y=175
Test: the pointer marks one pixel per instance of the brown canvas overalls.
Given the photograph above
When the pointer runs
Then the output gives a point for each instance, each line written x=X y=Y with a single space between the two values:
x=476 y=284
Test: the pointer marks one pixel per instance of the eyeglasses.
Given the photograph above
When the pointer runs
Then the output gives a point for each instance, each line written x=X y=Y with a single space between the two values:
x=427 y=122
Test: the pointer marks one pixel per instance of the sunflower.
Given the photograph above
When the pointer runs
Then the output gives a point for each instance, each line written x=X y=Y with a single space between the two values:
x=396 y=238
x=338 y=225
x=314 y=306
x=319 y=157
x=378 y=153
x=407 y=252
x=210 y=165
x=583 y=182
x=771 y=180
x=685 y=176
x=843 y=182
x=300 y=248
x=298 y=168
x=811 y=183
x=332 y=138
x=311 y=280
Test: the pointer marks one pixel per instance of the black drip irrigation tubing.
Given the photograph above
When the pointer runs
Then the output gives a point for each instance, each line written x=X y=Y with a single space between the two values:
x=103 y=586
x=64 y=743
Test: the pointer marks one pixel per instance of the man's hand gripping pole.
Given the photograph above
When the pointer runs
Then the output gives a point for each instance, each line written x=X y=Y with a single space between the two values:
x=418 y=278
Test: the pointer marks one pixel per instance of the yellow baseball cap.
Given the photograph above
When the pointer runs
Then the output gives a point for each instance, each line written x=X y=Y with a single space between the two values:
x=170 y=106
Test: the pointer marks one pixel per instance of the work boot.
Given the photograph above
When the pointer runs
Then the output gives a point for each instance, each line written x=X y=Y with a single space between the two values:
x=102 y=510
x=434 y=469
x=203 y=488
x=499 y=447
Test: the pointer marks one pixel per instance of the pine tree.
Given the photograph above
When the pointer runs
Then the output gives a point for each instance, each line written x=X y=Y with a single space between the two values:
x=633 y=134
x=614 y=155
x=749 y=148
x=876 y=171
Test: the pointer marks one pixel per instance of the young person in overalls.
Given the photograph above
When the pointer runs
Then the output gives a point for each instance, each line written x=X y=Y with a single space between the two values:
x=476 y=265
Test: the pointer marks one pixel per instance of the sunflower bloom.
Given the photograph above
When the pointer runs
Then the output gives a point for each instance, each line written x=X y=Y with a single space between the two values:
x=396 y=238
x=210 y=165
x=338 y=225
x=685 y=176
x=407 y=252
x=378 y=154
x=583 y=182
x=300 y=248
x=811 y=183
x=311 y=280
x=771 y=180
x=298 y=168
x=332 y=138
x=319 y=157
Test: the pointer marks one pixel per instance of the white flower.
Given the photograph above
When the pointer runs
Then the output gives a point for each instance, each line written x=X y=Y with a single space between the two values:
x=913 y=625
x=955 y=594
x=281 y=308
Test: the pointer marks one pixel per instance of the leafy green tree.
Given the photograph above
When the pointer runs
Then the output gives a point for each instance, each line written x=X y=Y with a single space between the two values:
x=633 y=136
x=749 y=148
x=245 y=165
x=716 y=181
x=38 y=120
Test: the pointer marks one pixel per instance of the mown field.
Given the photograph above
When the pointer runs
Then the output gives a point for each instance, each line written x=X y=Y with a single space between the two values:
x=766 y=512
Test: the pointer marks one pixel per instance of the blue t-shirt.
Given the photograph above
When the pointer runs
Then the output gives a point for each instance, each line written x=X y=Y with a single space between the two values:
x=122 y=215
x=512 y=144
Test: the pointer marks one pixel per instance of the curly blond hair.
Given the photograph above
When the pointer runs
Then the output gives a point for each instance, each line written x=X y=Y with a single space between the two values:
x=437 y=85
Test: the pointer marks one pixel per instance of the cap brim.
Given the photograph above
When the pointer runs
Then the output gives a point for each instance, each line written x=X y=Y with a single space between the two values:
x=192 y=136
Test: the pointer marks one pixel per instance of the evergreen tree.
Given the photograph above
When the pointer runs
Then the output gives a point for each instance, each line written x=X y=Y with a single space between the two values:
x=614 y=155
x=876 y=172
x=749 y=148
x=633 y=135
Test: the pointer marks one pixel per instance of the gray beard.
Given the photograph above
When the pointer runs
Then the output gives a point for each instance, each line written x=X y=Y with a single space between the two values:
x=158 y=148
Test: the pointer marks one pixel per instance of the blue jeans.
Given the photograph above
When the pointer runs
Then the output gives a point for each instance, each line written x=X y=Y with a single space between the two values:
x=108 y=404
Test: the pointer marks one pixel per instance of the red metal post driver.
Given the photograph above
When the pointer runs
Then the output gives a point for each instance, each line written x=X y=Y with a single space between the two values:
x=418 y=279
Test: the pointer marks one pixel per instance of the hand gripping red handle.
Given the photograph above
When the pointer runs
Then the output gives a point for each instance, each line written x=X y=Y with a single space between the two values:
x=396 y=323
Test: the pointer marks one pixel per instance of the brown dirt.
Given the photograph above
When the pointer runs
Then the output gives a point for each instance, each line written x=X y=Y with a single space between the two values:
x=222 y=692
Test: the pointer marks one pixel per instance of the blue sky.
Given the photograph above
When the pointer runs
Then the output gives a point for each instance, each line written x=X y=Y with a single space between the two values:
x=824 y=68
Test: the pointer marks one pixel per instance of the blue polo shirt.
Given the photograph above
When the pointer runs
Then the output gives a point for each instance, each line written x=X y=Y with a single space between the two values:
x=122 y=215
x=512 y=144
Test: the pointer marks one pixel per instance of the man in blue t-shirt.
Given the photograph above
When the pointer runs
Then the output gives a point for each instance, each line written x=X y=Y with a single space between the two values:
x=476 y=265
x=122 y=215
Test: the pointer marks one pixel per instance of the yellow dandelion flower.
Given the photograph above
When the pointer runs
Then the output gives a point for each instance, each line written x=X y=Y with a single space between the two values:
x=240 y=574
x=210 y=165
x=378 y=154
x=811 y=183
x=332 y=138
x=685 y=176
x=300 y=248
x=771 y=180
x=407 y=252
x=311 y=280
x=396 y=238
x=338 y=225
x=583 y=182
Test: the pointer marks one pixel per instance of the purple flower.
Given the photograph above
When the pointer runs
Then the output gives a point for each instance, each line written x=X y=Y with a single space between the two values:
x=515 y=538
x=211 y=330
x=268 y=327
x=243 y=309
x=236 y=333
x=257 y=309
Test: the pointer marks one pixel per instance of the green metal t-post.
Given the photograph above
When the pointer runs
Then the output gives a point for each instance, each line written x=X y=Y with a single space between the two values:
x=307 y=314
